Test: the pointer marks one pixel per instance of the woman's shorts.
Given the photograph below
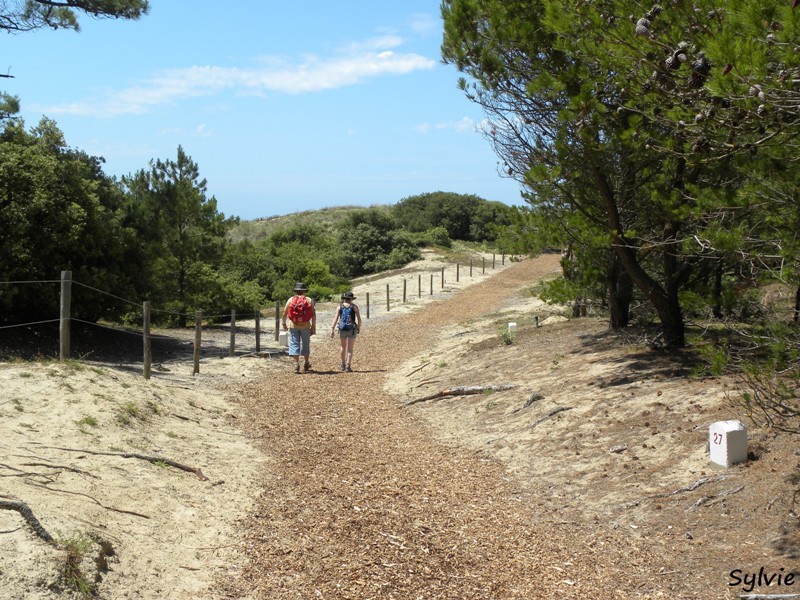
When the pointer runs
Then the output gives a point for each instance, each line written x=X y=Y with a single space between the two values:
x=348 y=333
x=299 y=342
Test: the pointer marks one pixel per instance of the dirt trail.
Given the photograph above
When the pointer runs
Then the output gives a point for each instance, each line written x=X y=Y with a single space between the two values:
x=360 y=501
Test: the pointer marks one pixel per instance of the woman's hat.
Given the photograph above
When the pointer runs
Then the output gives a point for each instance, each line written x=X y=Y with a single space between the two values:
x=348 y=296
x=300 y=287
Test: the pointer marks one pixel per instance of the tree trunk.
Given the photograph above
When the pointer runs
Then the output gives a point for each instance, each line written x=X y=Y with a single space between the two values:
x=797 y=304
x=620 y=294
x=663 y=298
x=182 y=297
x=672 y=326
x=716 y=294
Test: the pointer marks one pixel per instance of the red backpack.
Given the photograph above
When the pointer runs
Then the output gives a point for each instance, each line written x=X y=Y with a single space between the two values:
x=300 y=309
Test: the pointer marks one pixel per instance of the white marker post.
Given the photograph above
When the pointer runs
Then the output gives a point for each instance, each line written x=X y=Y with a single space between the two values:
x=727 y=443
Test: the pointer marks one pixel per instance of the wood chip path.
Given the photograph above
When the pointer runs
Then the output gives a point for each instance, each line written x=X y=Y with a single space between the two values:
x=361 y=501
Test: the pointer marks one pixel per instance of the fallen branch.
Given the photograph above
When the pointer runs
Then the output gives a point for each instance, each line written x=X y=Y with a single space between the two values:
x=553 y=412
x=182 y=418
x=687 y=488
x=95 y=500
x=60 y=467
x=426 y=382
x=714 y=498
x=462 y=391
x=534 y=397
x=152 y=459
x=27 y=514
x=418 y=369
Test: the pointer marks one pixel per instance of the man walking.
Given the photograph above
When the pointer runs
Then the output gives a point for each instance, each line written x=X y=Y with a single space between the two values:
x=302 y=316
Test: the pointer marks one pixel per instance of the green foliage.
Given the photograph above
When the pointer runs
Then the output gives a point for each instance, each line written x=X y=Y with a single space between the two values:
x=328 y=220
x=28 y=15
x=185 y=235
x=435 y=236
x=368 y=242
x=59 y=212
x=613 y=117
x=463 y=217
x=9 y=105
x=506 y=335
x=559 y=291
x=715 y=360
x=71 y=574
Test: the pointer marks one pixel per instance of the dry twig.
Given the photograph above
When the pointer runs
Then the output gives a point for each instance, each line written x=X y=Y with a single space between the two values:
x=714 y=498
x=553 y=412
x=95 y=500
x=462 y=391
x=533 y=398
x=152 y=459
x=687 y=488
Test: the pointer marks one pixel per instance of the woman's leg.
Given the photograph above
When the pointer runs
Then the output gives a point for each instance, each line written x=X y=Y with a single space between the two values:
x=351 y=342
x=343 y=353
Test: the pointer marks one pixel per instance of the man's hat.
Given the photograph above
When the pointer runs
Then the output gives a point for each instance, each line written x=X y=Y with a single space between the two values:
x=300 y=287
x=348 y=296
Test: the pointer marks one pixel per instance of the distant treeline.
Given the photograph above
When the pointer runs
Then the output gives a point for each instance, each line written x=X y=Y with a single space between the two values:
x=156 y=235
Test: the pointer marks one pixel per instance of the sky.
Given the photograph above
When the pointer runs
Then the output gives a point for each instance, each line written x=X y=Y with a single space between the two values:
x=284 y=106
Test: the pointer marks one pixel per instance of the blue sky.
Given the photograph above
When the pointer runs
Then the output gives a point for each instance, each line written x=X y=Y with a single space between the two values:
x=284 y=106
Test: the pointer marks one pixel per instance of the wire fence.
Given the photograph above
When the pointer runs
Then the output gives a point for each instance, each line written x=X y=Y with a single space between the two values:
x=241 y=339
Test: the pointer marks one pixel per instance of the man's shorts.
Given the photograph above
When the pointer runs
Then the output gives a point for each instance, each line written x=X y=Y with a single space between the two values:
x=299 y=342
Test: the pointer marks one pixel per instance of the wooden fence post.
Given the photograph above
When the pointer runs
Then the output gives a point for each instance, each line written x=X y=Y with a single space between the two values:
x=470 y=267
x=277 y=320
x=198 y=332
x=368 y=305
x=258 y=330
x=484 y=264
x=148 y=345
x=404 y=291
x=387 y=297
x=232 y=350
x=431 y=284
x=504 y=259
x=458 y=267
x=63 y=326
x=419 y=285
x=442 y=277
x=494 y=256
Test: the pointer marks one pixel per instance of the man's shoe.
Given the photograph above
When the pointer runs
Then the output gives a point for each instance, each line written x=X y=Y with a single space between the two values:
x=348 y=369
x=343 y=367
x=307 y=367
x=297 y=368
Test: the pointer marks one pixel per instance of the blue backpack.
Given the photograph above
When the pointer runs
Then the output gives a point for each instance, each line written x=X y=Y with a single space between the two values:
x=346 y=317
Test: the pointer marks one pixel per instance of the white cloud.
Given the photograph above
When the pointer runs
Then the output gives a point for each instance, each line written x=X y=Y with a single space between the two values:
x=465 y=124
x=354 y=64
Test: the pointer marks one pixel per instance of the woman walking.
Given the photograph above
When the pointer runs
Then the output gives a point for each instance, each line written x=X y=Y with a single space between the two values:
x=348 y=323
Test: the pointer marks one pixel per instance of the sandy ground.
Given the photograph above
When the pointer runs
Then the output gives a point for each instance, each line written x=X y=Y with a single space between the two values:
x=599 y=445
x=65 y=431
